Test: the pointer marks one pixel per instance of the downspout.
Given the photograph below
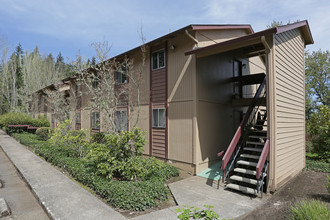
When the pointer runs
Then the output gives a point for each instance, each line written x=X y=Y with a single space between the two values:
x=269 y=95
x=191 y=37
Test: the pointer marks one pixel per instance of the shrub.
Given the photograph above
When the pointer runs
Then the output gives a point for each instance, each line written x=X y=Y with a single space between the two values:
x=310 y=210
x=44 y=133
x=129 y=195
x=73 y=142
x=195 y=213
x=15 y=118
x=319 y=128
x=98 y=137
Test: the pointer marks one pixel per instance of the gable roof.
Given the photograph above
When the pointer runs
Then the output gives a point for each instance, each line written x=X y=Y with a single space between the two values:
x=254 y=37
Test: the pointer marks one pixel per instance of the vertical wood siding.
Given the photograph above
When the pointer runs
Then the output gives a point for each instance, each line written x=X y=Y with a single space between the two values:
x=289 y=105
x=158 y=99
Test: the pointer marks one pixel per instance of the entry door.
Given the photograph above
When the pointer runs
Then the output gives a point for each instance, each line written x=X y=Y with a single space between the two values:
x=237 y=72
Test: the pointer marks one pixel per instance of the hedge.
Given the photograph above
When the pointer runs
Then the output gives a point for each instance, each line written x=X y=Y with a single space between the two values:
x=129 y=195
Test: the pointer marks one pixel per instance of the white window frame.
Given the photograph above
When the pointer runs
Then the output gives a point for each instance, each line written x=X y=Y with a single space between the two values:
x=158 y=124
x=121 y=127
x=157 y=54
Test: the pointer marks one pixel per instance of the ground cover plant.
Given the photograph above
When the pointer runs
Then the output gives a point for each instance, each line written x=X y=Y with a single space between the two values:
x=115 y=169
x=310 y=210
x=317 y=163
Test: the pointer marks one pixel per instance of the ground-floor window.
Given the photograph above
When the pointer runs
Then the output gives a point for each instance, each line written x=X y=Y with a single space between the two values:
x=95 y=120
x=158 y=118
x=78 y=120
x=121 y=120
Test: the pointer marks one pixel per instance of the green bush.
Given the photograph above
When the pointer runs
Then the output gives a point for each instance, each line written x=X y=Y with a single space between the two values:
x=44 y=133
x=98 y=137
x=195 y=213
x=310 y=210
x=130 y=195
x=74 y=142
x=15 y=118
x=319 y=128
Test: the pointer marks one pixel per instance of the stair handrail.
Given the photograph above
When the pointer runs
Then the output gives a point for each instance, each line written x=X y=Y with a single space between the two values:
x=262 y=159
x=240 y=129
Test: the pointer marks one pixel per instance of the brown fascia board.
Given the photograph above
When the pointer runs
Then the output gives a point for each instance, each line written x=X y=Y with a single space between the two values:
x=303 y=25
x=232 y=41
x=247 y=27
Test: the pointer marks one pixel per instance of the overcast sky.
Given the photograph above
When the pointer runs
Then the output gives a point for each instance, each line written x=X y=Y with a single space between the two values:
x=67 y=26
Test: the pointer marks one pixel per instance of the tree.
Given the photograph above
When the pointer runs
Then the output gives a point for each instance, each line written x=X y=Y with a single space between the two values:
x=105 y=95
x=317 y=68
x=279 y=23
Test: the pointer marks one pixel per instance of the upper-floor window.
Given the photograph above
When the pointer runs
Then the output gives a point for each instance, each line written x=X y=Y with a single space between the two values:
x=120 y=78
x=158 y=60
x=95 y=83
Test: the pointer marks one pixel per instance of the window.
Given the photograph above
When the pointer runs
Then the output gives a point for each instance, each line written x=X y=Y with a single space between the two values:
x=120 y=78
x=158 y=118
x=121 y=120
x=78 y=118
x=95 y=83
x=158 y=60
x=96 y=120
x=78 y=121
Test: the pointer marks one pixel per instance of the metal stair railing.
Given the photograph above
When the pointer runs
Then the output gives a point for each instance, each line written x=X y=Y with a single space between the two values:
x=239 y=133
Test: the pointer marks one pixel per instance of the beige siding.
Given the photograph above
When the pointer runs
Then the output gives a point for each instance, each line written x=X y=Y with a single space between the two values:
x=180 y=131
x=208 y=37
x=180 y=69
x=289 y=105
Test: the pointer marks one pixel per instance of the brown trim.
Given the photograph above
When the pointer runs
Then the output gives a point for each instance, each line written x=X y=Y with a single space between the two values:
x=166 y=100
x=278 y=30
x=150 y=105
x=231 y=42
x=224 y=27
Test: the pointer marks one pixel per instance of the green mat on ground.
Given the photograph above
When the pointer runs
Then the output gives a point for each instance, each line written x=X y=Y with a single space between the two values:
x=212 y=172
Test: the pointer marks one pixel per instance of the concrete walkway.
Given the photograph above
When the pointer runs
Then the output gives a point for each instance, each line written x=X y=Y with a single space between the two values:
x=16 y=193
x=64 y=199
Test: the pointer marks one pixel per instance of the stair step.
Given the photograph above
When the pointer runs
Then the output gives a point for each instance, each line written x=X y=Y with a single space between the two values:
x=244 y=179
x=250 y=156
x=243 y=189
x=246 y=163
x=259 y=125
x=258 y=131
x=256 y=136
x=253 y=149
x=245 y=171
x=256 y=143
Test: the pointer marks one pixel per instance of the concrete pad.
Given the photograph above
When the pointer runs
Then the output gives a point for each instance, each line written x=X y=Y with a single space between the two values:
x=212 y=173
x=197 y=192
x=61 y=197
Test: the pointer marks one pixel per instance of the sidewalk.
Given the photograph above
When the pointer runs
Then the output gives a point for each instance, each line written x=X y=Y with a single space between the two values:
x=16 y=193
x=61 y=197
x=64 y=199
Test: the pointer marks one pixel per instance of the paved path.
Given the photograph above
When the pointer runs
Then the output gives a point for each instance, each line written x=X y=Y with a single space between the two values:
x=17 y=194
x=61 y=197
x=64 y=199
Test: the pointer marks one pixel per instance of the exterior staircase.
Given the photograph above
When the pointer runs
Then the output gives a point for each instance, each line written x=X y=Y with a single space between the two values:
x=245 y=162
x=243 y=176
